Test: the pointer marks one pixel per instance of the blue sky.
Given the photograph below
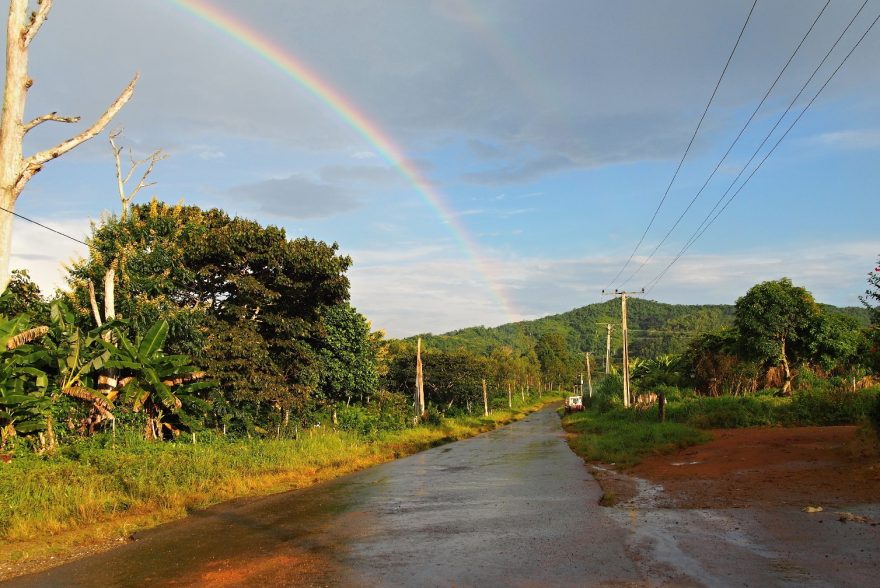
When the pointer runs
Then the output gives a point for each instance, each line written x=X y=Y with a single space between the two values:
x=552 y=131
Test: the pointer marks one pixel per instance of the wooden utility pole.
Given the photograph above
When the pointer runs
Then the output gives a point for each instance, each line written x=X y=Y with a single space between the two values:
x=485 y=399
x=420 y=384
x=626 y=383
x=589 y=377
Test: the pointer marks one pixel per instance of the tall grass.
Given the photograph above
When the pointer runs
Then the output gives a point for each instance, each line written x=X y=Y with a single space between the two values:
x=117 y=486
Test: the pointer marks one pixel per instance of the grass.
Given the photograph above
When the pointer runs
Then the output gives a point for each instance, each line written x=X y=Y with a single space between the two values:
x=611 y=434
x=624 y=437
x=95 y=491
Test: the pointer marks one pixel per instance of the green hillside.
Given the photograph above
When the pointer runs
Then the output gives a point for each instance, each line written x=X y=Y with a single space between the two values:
x=655 y=328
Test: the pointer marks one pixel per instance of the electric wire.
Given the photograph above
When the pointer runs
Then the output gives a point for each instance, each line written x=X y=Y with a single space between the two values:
x=732 y=145
x=687 y=149
x=39 y=224
x=704 y=226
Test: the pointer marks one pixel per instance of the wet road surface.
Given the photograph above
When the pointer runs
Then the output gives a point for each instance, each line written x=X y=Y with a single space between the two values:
x=512 y=507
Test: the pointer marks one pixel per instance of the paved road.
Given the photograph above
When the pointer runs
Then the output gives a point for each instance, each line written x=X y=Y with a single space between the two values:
x=511 y=507
x=514 y=507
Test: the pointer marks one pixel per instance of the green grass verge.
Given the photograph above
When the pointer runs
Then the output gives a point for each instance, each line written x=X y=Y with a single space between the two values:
x=624 y=437
x=99 y=489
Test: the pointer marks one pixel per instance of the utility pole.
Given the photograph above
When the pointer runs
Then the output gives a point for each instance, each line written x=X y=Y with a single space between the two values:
x=609 y=326
x=624 y=335
x=485 y=400
x=420 y=384
x=589 y=378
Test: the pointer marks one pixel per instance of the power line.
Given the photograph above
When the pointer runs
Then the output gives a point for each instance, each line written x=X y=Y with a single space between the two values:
x=732 y=145
x=39 y=224
x=688 y=148
x=701 y=229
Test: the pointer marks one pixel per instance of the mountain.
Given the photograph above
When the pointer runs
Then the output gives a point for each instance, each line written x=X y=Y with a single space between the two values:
x=655 y=328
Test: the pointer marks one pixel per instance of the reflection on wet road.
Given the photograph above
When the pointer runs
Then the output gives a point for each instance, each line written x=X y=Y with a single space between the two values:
x=512 y=507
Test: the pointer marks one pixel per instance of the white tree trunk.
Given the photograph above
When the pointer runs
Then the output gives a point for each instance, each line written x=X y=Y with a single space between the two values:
x=15 y=169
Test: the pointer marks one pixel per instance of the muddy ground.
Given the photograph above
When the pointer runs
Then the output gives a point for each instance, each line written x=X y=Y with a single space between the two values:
x=759 y=467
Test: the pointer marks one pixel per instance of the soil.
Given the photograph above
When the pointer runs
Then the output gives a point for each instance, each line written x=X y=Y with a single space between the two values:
x=760 y=467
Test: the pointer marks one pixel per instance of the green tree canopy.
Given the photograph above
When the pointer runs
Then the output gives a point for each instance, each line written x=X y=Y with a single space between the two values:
x=223 y=284
x=775 y=320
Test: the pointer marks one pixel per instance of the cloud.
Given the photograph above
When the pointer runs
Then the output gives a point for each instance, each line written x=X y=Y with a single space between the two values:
x=853 y=139
x=374 y=174
x=214 y=154
x=521 y=171
x=296 y=197
x=395 y=290
x=43 y=253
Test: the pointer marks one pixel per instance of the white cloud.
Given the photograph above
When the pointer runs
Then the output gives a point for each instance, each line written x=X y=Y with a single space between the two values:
x=432 y=291
x=43 y=253
x=852 y=139
x=211 y=154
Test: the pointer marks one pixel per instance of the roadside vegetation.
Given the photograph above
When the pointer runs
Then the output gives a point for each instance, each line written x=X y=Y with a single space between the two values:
x=103 y=487
x=784 y=361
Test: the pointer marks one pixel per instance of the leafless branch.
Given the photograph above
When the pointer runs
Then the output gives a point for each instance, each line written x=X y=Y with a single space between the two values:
x=33 y=163
x=155 y=156
x=47 y=117
x=37 y=20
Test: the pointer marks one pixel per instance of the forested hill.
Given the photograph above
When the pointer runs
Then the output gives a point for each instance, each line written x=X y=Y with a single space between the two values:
x=655 y=328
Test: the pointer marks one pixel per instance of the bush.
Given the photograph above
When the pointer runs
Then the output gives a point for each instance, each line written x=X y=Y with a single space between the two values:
x=355 y=419
x=833 y=407
x=608 y=394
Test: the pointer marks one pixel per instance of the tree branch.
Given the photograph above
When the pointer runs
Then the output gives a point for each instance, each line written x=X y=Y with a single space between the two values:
x=51 y=116
x=121 y=181
x=37 y=20
x=33 y=163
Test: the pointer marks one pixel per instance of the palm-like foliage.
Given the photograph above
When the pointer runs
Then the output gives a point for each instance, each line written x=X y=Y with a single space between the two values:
x=156 y=383
x=24 y=382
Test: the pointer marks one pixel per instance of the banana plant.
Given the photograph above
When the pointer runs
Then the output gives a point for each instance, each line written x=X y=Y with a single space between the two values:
x=80 y=362
x=156 y=383
x=25 y=400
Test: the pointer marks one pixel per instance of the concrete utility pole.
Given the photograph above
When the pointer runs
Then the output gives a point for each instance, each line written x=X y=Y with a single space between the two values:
x=624 y=335
x=609 y=326
x=589 y=378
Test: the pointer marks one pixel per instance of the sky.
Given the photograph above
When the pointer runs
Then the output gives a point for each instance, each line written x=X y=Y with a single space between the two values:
x=508 y=155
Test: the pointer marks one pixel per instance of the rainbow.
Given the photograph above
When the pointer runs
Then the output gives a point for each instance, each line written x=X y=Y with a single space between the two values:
x=329 y=96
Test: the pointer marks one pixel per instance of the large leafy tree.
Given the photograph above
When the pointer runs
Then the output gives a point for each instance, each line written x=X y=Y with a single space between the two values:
x=222 y=283
x=775 y=320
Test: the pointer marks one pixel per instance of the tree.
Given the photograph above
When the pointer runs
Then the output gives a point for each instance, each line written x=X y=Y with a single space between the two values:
x=223 y=284
x=16 y=169
x=873 y=294
x=557 y=362
x=775 y=320
x=348 y=356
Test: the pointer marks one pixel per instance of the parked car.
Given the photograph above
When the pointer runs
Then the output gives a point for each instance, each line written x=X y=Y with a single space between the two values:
x=574 y=404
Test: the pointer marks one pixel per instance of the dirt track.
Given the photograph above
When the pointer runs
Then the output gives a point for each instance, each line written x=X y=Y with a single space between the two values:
x=830 y=466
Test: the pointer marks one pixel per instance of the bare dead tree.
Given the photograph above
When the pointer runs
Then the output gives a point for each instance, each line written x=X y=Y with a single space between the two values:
x=16 y=169
x=122 y=178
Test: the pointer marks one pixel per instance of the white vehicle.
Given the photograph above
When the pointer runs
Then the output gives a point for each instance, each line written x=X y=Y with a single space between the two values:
x=574 y=404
